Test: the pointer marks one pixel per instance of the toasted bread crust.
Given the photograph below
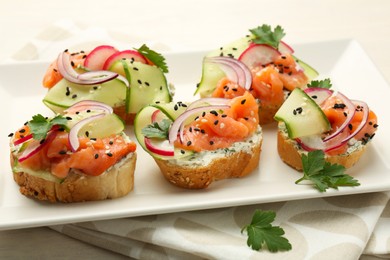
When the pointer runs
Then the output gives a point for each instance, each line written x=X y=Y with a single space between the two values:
x=289 y=153
x=127 y=117
x=115 y=182
x=236 y=165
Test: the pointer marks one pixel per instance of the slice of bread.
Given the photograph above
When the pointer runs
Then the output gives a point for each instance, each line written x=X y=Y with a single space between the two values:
x=290 y=152
x=116 y=182
x=198 y=171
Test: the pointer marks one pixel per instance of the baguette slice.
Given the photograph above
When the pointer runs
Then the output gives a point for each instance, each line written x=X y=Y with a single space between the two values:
x=116 y=182
x=291 y=153
x=201 y=169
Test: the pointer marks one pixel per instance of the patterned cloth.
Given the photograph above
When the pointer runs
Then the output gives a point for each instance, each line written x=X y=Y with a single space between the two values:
x=343 y=227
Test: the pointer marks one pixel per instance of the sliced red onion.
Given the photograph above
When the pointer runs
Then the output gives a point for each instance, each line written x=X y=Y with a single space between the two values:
x=36 y=145
x=350 y=113
x=89 y=78
x=319 y=95
x=234 y=69
x=258 y=54
x=284 y=48
x=209 y=101
x=89 y=104
x=163 y=148
x=74 y=131
x=178 y=124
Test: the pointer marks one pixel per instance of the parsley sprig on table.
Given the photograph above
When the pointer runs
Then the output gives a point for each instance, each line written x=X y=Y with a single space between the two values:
x=323 y=174
x=40 y=125
x=154 y=57
x=325 y=83
x=264 y=35
x=157 y=129
x=263 y=235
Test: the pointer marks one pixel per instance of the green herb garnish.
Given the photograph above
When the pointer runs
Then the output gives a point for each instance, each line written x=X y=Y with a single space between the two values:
x=40 y=125
x=262 y=234
x=157 y=129
x=325 y=83
x=264 y=35
x=323 y=174
x=154 y=57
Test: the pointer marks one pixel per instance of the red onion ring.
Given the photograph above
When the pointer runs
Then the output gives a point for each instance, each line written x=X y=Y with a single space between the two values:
x=73 y=134
x=319 y=95
x=208 y=101
x=234 y=69
x=178 y=124
x=89 y=104
x=88 y=78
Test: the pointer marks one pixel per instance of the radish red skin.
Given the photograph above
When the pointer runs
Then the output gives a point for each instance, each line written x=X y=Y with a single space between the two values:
x=127 y=54
x=97 y=57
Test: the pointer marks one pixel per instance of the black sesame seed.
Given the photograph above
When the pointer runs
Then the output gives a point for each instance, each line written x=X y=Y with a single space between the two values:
x=182 y=152
x=110 y=142
x=215 y=113
x=203 y=114
x=375 y=125
x=68 y=118
x=96 y=155
x=202 y=131
x=314 y=97
x=189 y=143
x=139 y=81
x=175 y=107
x=72 y=63
x=22 y=130
x=211 y=142
x=11 y=134
x=147 y=83
x=243 y=101
x=109 y=154
x=74 y=96
x=341 y=105
x=234 y=89
x=190 y=129
x=92 y=139
x=345 y=114
x=135 y=68
x=283 y=57
x=62 y=152
x=86 y=133
x=216 y=122
x=223 y=115
x=350 y=126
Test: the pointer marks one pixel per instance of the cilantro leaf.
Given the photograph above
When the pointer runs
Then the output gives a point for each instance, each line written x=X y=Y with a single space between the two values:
x=323 y=174
x=40 y=125
x=261 y=233
x=154 y=57
x=320 y=84
x=157 y=129
x=264 y=35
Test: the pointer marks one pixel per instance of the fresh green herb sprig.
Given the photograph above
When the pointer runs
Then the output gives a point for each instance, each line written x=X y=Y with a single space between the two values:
x=263 y=235
x=158 y=130
x=154 y=57
x=323 y=174
x=325 y=83
x=40 y=125
x=264 y=35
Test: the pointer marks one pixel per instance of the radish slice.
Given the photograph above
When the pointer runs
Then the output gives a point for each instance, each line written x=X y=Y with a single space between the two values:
x=234 y=69
x=89 y=104
x=74 y=131
x=97 y=57
x=350 y=113
x=178 y=124
x=36 y=145
x=319 y=95
x=163 y=148
x=258 y=54
x=23 y=139
x=127 y=54
x=284 y=48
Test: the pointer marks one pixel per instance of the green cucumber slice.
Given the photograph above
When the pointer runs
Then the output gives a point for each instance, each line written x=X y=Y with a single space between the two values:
x=108 y=125
x=302 y=116
x=148 y=84
x=310 y=72
x=143 y=118
x=64 y=94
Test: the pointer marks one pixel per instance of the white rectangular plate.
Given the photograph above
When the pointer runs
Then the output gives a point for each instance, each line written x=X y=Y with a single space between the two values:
x=343 y=61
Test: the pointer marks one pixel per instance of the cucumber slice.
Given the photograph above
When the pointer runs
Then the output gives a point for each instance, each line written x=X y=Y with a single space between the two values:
x=64 y=94
x=302 y=116
x=310 y=72
x=148 y=84
x=103 y=127
x=143 y=119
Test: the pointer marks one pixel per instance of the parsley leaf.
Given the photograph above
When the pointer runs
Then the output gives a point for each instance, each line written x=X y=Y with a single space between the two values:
x=320 y=84
x=323 y=174
x=264 y=35
x=154 y=57
x=157 y=129
x=261 y=233
x=39 y=125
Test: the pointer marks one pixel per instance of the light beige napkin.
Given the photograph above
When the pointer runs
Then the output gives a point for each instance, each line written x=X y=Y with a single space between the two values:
x=342 y=227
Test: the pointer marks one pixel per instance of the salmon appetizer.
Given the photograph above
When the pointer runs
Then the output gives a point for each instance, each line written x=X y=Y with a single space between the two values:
x=204 y=141
x=323 y=119
x=260 y=63
x=77 y=156
x=106 y=74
